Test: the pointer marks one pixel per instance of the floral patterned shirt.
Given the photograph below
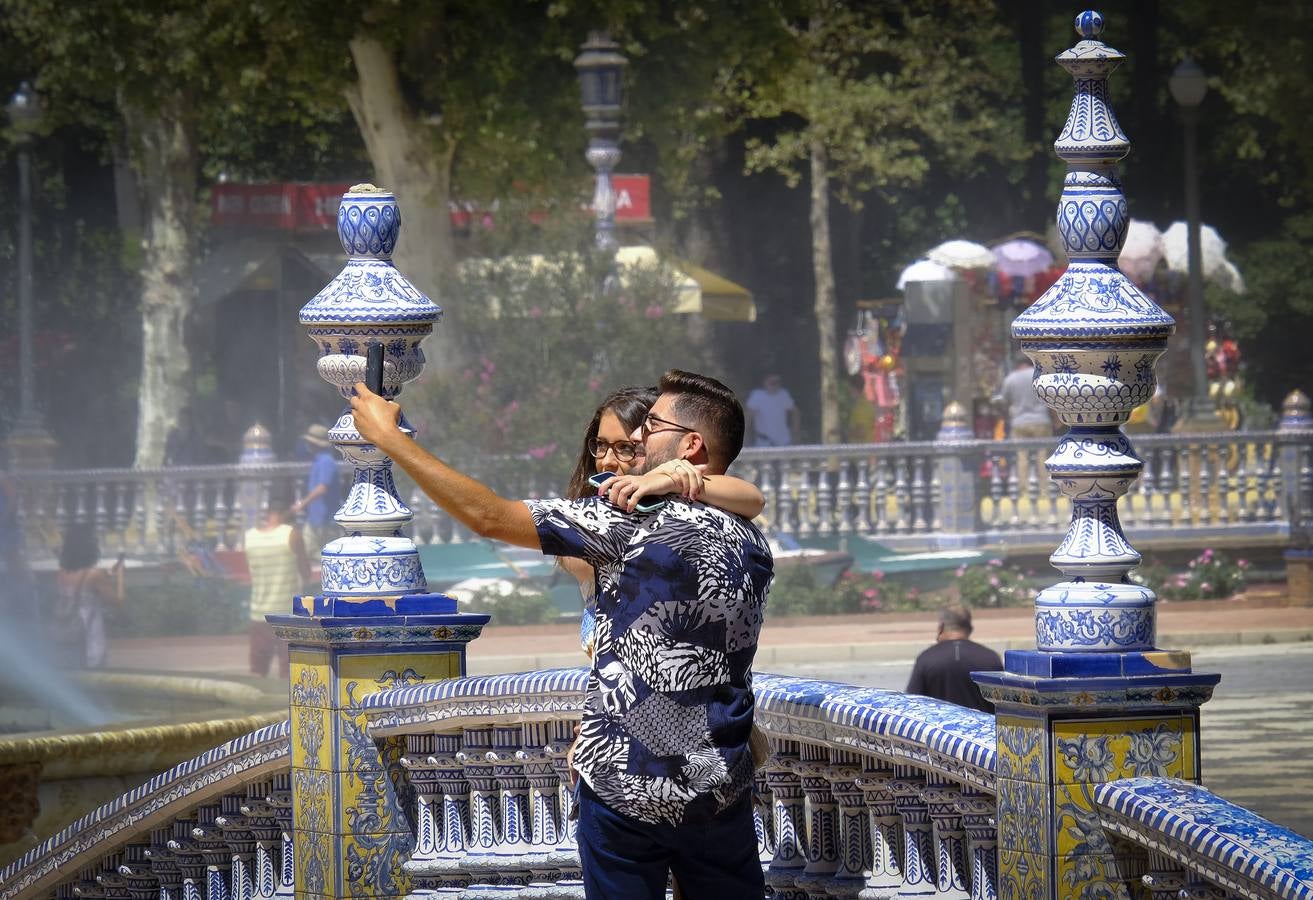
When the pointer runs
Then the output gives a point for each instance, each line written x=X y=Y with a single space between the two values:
x=668 y=707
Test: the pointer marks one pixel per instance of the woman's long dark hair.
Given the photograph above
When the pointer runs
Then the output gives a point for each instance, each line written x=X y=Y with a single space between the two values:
x=80 y=549
x=630 y=405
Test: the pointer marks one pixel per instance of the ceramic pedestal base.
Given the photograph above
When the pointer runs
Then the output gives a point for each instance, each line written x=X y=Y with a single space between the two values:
x=1066 y=722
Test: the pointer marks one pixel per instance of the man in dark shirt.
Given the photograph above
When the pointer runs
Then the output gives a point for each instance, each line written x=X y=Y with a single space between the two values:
x=944 y=670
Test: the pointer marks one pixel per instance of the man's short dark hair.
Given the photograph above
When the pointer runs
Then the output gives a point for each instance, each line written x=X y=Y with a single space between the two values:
x=710 y=407
x=955 y=617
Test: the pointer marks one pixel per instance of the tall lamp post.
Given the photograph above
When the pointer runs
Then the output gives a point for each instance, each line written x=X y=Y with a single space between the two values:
x=601 y=69
x=30 y=445
x=1188 y=85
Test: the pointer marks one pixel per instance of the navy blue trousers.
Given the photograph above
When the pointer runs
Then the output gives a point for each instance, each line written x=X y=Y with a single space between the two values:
x=625 y=859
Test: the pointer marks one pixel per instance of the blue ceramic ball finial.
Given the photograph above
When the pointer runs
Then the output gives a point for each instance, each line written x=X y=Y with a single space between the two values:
x=1089 y=24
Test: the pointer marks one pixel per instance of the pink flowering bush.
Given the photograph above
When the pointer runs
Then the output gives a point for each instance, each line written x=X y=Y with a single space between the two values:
x=993 y=584
x=797 y=592
x=1209 y=576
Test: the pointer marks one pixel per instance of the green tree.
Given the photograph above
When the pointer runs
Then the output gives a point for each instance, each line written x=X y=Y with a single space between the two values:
x=158 y=77
x=870 y=94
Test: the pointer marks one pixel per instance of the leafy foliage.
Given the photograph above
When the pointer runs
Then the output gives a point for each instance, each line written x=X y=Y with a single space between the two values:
x=797 y=592
x=545 y=345
x=993 y=584
x=1209 y=576
x=521 y=606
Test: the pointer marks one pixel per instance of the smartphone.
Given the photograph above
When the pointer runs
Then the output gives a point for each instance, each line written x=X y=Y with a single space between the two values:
x=374 y=368
x=646 y=505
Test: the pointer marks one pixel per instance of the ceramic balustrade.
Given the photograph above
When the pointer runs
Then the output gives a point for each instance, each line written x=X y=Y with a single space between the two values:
x=1176 y=839
x=866 y=794
x=1237 y=485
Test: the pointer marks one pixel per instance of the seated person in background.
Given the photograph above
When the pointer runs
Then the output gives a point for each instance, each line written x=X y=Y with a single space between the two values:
x=944 y=670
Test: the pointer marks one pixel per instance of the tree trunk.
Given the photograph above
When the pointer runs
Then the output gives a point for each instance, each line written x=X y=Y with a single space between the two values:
x=413 y=159
x=166 y=154
x=823 y=267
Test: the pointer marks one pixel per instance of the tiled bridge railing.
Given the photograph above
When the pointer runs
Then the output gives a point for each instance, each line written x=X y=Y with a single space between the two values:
x=867 y=792
x=1240 y=487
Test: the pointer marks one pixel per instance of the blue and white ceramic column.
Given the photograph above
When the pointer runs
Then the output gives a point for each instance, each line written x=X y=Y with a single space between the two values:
x=375 y=625
x=1095 y=701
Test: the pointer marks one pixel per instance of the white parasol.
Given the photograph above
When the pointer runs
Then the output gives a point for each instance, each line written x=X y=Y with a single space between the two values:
x=1212 y=250
x=924 y=270
x=1022 y=257
x=1142 y=251
x=959 y=254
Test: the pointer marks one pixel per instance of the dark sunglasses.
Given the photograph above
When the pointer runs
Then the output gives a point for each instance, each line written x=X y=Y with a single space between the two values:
x=623 y=450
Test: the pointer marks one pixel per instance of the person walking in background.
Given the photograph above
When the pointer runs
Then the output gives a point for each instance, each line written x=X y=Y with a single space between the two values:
x=772 y=415
x=944 y=670
x=663 y=755
x=323 y=490
x=1027 y=417
x=276 y=558
x=82 y=591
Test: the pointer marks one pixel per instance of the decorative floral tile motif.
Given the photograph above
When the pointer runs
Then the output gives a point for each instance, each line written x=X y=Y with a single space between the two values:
x=1092 y=751
x=1022 y=748
x=372 y=864
x=1091 y=878
x=1024 y=816
x=309 y=667
x=1023 y=876
x=1076 y=825
x=359 y=675
x=312 y=738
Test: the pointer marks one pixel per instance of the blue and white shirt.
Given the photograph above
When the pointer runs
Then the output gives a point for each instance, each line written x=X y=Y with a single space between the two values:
x=680 y=597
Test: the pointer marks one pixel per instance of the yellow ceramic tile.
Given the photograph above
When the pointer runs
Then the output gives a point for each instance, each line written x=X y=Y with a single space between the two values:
x=313 y=866
x=1088 y=876
x=312 y=801
x=358 y=676
x=1023 y=874
x=311 y=683
x=312 y=738
x=316 y=661
x=1021 y=748
x=376 y=860
x=368 y=804
x=1078 y=830
x=1097 y=750
x=1023 y=816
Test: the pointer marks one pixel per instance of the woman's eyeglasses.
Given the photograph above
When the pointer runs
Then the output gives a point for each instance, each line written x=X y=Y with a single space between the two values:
x=623 y=450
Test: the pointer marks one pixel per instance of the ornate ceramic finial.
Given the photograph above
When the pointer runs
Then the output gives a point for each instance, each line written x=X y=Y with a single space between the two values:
x=256 y=445
x=1296 y=412
x=369 y=302
x=1089 y=24
x=955 y=425
x=1094 y=339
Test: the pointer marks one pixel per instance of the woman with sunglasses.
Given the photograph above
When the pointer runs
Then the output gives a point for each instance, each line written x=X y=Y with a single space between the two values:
x=609 y=446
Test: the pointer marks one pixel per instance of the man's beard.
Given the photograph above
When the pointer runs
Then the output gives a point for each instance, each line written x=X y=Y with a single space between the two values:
x=655 y=458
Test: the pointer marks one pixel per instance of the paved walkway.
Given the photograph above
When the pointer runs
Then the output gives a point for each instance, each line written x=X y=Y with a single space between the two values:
x=1261 y=618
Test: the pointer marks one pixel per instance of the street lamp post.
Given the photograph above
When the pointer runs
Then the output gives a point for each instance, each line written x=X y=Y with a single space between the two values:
x=30 y=445
x=601 y=69
x=1188 y=85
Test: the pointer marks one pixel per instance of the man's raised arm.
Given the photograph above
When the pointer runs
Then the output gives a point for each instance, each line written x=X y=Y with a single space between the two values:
x=472 y=503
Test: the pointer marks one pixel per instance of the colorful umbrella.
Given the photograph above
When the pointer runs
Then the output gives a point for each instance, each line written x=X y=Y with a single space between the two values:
x=1142 y=251
x=959 y=254
x=924 y=270
x=1022 y=258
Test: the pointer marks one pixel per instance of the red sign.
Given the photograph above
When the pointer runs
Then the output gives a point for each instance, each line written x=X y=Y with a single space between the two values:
x=288 y=206
x=633 y=198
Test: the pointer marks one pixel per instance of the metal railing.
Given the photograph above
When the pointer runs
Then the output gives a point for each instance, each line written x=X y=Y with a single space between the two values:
x=1243 y=487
